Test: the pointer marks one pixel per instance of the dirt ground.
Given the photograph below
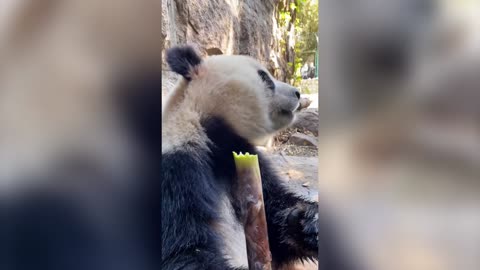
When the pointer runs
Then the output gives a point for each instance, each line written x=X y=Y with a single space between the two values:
x=282 y=146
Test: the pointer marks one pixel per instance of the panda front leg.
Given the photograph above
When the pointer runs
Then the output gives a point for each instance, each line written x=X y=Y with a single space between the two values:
x=292 y=221
x=297 y=229
x=196 y=259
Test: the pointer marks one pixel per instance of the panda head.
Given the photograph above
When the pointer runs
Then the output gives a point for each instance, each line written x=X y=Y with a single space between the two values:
x=237 y=89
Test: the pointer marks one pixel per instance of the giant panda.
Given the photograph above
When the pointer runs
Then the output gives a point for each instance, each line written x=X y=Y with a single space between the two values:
x=221 y=104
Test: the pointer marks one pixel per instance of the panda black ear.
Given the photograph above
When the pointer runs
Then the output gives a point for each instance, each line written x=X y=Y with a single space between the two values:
x=183 y=60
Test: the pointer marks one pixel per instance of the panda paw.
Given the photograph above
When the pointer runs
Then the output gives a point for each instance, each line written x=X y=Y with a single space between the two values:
x=306 y=233
x=303 y=227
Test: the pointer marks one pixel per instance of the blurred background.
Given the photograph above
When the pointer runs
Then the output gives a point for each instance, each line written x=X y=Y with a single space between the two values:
x=79 y=132
x=399 y=147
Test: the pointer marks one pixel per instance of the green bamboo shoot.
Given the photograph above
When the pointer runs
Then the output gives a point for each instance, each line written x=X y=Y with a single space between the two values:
x=249 y=194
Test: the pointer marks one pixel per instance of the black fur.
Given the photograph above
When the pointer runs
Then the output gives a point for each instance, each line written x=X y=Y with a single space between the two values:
x=183 y=60
x=267 y=79
x=191 y=185
x=189 y=200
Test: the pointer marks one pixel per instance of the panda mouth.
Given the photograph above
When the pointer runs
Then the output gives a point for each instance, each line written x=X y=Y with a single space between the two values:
x=297 y=108
x=287 y=112
x=290 y=111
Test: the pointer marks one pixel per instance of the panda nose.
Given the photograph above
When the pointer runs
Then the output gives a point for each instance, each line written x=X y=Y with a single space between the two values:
x=297 y=94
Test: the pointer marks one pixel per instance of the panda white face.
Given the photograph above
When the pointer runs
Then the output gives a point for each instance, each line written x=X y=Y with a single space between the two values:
x=284 y=103
x=239 y=90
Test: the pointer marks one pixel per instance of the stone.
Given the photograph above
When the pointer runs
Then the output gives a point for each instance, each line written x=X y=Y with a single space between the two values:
x=295 y=174
x=297 y=171
x=301 y=139
x=169 y=80
x=224 y=27
x=307 y=120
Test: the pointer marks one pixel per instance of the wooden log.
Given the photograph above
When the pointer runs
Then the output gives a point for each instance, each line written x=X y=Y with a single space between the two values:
x=248 y=192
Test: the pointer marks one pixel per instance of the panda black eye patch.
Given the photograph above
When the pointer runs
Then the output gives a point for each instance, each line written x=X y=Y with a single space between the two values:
x=267 y=79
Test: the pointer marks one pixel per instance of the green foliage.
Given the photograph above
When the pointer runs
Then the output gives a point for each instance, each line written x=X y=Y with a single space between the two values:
x=285 y=18
x=297 y=76
x=302 y=16
x=306 y=90
x=307 y=26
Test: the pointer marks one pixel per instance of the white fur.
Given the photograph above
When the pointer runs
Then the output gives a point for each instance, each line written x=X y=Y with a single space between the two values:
x=233 y=235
